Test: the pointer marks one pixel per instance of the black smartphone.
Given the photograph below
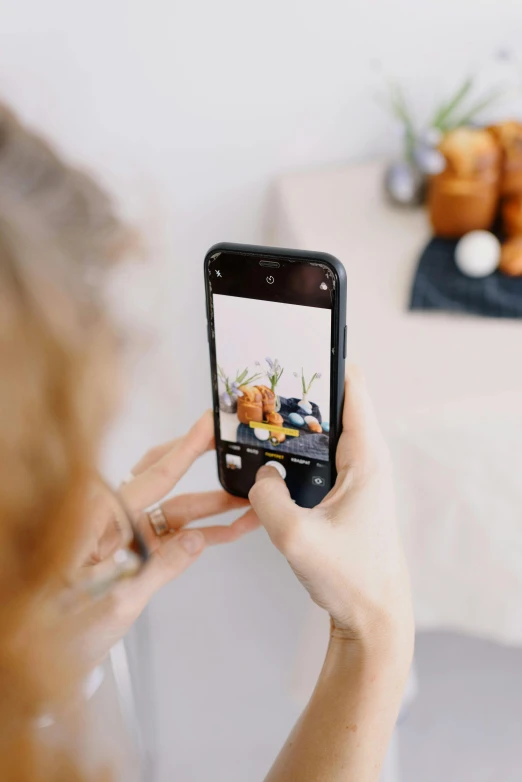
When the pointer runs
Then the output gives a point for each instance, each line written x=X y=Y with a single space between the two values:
x=277 y=337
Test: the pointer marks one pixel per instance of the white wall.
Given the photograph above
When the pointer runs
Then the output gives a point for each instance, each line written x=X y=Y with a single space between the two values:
x=248 y=330
x=189 y=110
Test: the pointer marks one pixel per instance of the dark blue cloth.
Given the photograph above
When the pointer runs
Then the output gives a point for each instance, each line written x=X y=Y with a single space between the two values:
x=439 y=285
x=309 y=445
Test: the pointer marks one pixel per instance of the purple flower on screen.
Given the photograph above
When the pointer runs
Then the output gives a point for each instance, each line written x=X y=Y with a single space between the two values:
x=274 y=372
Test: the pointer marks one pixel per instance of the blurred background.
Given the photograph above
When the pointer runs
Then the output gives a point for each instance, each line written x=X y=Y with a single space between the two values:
x=278 y=123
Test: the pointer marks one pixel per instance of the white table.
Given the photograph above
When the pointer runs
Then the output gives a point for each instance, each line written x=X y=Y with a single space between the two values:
x=448 y=390
x=411 y=360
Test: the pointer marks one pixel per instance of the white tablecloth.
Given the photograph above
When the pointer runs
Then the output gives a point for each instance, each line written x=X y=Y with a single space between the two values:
x=448 y=390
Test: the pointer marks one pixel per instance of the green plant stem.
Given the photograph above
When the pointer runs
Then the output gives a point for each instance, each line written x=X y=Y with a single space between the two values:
x=443 y=115
x=479 y=106
x=251 y=379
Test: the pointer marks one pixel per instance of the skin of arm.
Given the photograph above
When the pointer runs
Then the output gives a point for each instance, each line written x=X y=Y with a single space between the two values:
x=347 y=554
x=344 y=732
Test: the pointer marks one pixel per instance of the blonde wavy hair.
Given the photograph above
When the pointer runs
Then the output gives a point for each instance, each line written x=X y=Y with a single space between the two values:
x=58 y=234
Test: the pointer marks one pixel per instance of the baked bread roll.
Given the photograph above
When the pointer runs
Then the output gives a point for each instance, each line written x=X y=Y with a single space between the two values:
x=509 y=137
x=269 y=399
x=511 y=257
x=275 y=418
x=512 y=215
x=315 y=426
x=250 y=405
x=470 y=153
x=464 y=197
x=251 y=393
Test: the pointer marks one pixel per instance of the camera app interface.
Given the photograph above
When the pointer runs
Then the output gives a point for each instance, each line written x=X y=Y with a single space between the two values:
x=273 y=372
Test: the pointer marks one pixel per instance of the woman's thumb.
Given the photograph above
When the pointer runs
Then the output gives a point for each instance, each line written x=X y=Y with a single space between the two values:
x=271 y=500
x=177 y=553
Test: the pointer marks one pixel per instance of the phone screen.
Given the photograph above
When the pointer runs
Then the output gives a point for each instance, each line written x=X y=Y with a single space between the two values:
x=271 y=330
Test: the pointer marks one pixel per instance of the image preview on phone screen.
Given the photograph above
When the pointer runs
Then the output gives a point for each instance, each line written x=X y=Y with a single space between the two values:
x=273 y=370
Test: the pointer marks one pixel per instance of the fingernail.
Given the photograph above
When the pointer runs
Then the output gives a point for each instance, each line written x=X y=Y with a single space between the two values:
x=192 y=542
x=128 y=478
x=266 y=470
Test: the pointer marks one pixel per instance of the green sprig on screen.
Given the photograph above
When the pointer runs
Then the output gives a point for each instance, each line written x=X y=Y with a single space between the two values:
x=241 y=379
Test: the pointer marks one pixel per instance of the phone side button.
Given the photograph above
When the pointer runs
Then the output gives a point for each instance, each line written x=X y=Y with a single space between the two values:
x=344 y=341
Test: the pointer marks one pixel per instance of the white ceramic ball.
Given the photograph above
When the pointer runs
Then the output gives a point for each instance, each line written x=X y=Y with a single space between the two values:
x=477 y=254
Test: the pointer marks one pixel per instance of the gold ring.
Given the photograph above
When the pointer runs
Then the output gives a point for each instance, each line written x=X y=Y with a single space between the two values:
x=158 y=521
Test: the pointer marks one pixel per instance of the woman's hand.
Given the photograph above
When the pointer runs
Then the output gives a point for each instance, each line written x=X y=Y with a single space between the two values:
x=155 y=475
x=347 y=551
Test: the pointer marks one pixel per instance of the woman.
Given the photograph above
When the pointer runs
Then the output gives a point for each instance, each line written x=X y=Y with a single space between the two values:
x=71 y=584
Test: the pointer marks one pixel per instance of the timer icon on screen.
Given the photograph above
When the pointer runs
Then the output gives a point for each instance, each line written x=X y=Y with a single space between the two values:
x=270 y=280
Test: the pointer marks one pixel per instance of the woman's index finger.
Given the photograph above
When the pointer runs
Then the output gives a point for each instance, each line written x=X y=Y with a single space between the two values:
x=160 y=478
